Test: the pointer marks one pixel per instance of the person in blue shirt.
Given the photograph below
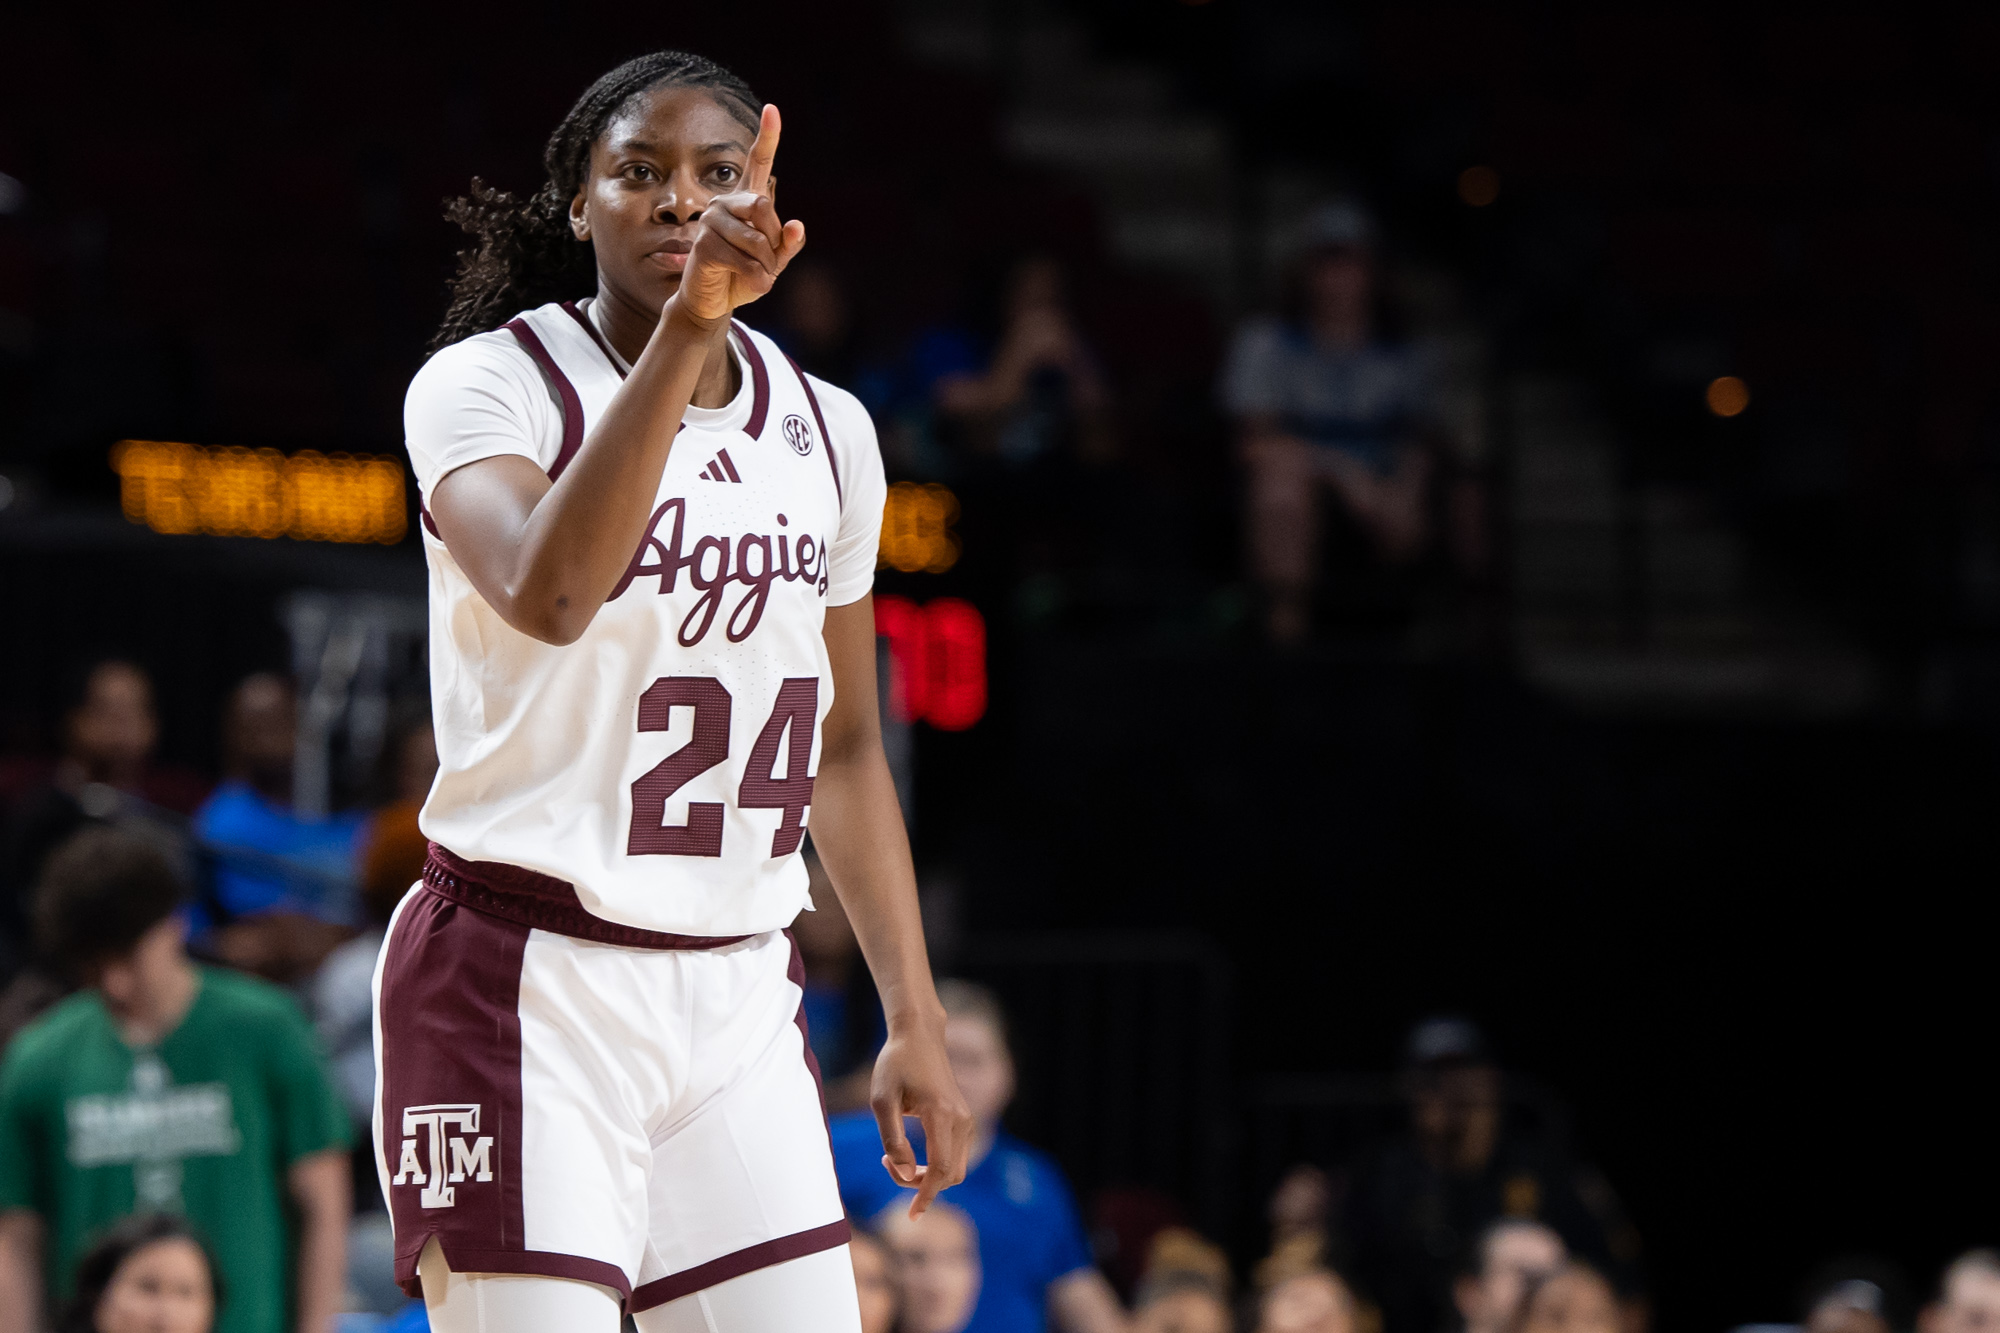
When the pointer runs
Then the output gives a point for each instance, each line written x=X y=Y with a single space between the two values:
x=284 y=884
x=1037 y=1272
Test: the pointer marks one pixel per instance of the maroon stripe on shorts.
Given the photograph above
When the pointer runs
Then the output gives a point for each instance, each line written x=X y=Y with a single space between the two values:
x=762 y=1255
x=572 y=406
x=451 y=1051
x=528 y=898
x=795 y=972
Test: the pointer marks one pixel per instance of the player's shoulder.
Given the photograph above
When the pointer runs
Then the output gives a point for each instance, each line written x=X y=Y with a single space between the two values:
x=495 y=356
x=834 y=401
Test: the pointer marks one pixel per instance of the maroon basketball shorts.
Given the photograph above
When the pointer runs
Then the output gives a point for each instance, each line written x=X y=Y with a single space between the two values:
x=646 y=1119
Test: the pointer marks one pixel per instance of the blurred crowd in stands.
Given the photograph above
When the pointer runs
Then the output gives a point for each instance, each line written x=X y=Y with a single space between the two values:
x=1363 y=493
x=187 y=1084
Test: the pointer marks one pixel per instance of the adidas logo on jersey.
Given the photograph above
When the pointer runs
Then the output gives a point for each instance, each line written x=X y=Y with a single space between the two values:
x=721 y=468
x=452 y=1160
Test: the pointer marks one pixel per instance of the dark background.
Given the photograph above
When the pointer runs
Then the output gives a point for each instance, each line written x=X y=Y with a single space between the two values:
x=1749 y=939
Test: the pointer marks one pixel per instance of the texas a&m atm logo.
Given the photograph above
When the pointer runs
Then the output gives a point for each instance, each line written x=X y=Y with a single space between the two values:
x=453 y=1158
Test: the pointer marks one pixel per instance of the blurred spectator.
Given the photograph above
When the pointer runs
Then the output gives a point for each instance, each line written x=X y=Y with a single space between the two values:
x=1322 y=400
x=1298 y=1214
x=1574 y=1299
x=938 y=1268
x=148 y=1274
x=392 y=860
x=165 y=1087
x=1420 y=1200
x=1035 y=1263
x=1180 y=1301
x=283 y=883
x=1179 y=1252
x=816 y=324
x=874 y=1283
x=1851 y=1305
x=1127 y=1226
x=1041 y=393
x=1968 y=1298
x=106 y=773
x=1513 y=1255
x=1316 y=1301
x=843 y=1014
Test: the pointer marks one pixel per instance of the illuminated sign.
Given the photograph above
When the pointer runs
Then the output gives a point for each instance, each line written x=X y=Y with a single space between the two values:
x=916 y=529
x=937 y=659
x=230 y=492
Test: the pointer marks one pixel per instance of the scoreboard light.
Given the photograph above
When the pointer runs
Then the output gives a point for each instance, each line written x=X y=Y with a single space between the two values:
x=234 y=492
x=937 y=659
x=916 y=529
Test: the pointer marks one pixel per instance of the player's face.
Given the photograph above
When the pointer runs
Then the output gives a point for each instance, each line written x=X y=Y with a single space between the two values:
x=652 y=172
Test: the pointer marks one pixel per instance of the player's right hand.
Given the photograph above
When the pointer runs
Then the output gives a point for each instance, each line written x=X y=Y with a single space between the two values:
x=741 y=247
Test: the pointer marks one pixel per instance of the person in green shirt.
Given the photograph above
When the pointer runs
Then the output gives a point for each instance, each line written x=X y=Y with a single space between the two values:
x=166 y=1087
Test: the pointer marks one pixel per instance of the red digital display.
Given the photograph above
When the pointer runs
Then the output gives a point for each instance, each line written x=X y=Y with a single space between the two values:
x=937 y=655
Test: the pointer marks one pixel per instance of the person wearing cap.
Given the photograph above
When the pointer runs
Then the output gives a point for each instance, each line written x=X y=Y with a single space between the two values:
x=1422 y=1201
x=1325 y=405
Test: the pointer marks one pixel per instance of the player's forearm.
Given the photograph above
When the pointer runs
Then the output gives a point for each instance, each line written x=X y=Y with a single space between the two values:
x=580 y=538
x=858 y=831
x=20 y=1273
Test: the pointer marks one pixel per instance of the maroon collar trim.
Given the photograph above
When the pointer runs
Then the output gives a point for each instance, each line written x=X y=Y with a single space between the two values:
x=576 y=313
x=760 y=382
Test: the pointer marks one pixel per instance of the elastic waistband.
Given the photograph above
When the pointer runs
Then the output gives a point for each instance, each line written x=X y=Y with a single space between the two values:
x=544 y=903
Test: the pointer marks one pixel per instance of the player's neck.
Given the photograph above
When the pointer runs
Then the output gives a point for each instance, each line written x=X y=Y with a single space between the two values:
x=720 y=379
x=629 y=327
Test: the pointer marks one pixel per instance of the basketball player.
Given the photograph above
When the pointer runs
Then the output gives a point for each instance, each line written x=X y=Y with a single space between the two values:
x=651 y=541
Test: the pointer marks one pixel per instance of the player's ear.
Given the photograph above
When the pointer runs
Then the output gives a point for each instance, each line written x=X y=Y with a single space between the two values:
x=579 y=221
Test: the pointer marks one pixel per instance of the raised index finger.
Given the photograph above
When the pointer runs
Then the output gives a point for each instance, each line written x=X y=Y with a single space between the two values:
x=764 y=151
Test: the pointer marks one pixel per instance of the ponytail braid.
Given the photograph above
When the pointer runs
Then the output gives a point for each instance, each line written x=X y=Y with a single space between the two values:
x=524 y=253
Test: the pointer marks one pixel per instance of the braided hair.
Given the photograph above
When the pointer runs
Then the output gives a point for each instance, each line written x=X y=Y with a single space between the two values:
x=524 y=253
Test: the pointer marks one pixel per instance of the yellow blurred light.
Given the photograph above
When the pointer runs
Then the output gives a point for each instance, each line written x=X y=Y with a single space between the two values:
x=916 y=529
x=234 y=492
x=1479 y=186
x=1727 y=396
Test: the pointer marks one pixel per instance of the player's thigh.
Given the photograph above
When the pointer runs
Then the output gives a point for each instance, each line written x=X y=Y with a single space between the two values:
x=512 y=1302
x=814 y=1294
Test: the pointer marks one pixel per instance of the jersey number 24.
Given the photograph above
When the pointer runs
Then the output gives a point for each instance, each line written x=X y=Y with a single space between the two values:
x=797 y=710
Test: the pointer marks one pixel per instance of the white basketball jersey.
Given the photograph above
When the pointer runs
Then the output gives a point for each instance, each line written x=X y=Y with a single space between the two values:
x=662 y=764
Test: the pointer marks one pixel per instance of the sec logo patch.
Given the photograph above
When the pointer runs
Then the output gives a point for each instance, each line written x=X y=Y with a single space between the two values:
x=799 y=435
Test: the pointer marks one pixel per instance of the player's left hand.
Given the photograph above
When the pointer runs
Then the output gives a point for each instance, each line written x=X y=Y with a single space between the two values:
x=913 y=1077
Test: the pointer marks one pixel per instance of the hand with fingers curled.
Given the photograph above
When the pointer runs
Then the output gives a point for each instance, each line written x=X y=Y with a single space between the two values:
x=742 y=246
x=913 y=1078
